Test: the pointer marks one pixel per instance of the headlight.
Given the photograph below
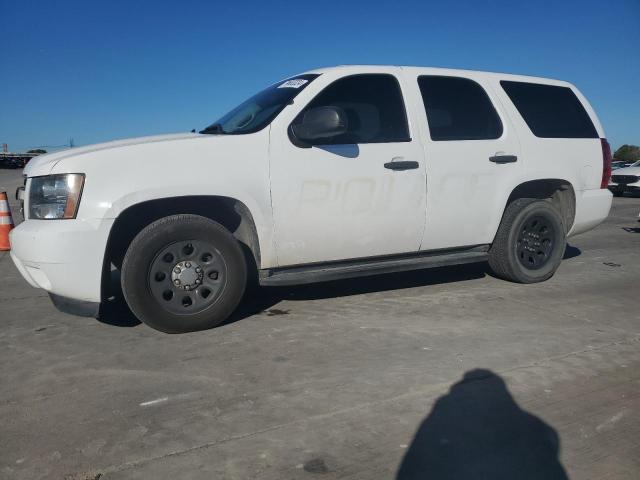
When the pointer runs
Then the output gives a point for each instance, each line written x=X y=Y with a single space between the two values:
x=55 y=196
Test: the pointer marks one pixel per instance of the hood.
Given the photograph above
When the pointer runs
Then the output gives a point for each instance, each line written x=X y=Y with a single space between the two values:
x=43 y=164
x=627 y=171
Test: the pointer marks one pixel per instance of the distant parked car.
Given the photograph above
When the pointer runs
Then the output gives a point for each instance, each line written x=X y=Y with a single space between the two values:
x=625 y=179
x=620 y=164
x=9 y=161
x=15 y=160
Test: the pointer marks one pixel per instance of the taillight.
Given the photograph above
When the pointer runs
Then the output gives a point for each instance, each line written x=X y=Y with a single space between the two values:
x=606 y=163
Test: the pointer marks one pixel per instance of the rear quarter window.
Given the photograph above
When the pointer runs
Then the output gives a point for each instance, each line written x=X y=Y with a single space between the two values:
x=550 y=111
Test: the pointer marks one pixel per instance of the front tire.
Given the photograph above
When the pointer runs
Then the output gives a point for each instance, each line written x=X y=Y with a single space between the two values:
x=530 y=242
x=183 y=273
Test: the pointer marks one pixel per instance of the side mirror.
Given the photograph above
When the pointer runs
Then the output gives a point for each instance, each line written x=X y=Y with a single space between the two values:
x=318 y=124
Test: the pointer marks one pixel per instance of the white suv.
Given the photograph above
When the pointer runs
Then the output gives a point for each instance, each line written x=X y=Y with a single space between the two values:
x=338 y=172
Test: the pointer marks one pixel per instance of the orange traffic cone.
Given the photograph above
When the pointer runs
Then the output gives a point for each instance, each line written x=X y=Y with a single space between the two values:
x=6 y=222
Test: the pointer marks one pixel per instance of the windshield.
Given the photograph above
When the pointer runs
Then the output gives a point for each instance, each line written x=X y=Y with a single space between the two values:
x=257 y=112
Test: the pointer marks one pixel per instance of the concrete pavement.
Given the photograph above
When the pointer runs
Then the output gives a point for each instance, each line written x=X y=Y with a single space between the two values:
x=433 y=374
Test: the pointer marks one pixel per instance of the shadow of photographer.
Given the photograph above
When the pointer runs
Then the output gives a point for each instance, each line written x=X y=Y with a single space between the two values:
x=477 y=431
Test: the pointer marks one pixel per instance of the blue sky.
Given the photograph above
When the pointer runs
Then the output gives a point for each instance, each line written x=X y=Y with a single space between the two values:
x=97 y=71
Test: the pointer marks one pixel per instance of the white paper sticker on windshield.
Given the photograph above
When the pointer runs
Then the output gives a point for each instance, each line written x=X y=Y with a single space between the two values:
x=295 y=83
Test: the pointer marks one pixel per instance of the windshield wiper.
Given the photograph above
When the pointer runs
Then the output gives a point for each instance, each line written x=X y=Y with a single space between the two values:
x=215 y=128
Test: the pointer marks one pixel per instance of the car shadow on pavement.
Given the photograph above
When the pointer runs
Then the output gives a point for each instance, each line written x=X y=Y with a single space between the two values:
x=115 y=311
x=571 y=252
x=477 y=430
x=259 y=300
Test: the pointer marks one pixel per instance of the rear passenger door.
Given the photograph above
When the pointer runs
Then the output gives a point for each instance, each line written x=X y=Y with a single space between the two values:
x=472 y=158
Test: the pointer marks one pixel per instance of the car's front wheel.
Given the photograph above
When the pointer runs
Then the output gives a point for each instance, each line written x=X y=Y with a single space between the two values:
x=183 y=273
x=530 y=242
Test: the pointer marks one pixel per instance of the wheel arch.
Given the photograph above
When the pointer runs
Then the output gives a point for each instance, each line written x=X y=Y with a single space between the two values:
x=230 y=212
x=558 y=191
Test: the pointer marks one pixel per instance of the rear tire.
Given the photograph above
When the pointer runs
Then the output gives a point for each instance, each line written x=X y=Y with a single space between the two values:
x=183 y=273
x=530 y=242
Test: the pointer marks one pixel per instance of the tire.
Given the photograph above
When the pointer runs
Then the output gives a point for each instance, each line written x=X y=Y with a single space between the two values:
x=618 y=193
x=183 y=273
x=530 y=242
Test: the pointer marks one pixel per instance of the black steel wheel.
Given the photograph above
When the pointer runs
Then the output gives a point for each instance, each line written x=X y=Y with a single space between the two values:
x=187 y=277
x=183 y=273
x=530 y=242
x=535 y=242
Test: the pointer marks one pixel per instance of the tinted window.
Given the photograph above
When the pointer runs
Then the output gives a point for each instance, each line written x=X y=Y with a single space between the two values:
x=374 y=107
x=550 y=111
x=458 y=109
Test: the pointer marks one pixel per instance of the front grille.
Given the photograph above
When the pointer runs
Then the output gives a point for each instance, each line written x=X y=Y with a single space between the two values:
x=624 y=178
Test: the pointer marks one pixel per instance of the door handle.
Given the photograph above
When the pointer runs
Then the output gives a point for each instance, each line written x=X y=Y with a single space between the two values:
x=503 y=159
x=401 y=165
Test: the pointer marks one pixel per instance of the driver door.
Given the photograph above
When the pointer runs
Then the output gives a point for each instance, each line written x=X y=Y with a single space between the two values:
x=344 y=198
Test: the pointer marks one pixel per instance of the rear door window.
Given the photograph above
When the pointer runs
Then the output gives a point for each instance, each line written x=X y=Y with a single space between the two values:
x=374 y=107
x=550 y=111
x=458 y=109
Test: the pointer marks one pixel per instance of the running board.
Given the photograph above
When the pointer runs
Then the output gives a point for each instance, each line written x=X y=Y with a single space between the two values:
x=323 y=272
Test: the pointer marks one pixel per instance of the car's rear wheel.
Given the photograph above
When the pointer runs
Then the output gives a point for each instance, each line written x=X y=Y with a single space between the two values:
x=530 y=242
x=183 y=273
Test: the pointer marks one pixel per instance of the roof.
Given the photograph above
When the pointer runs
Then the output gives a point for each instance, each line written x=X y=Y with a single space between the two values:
x=442 y=71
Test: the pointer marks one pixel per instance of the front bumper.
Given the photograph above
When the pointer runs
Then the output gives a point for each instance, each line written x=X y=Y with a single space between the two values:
x=621 y=182
x=75 y=307
x=63 y=257
x=624 y=187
